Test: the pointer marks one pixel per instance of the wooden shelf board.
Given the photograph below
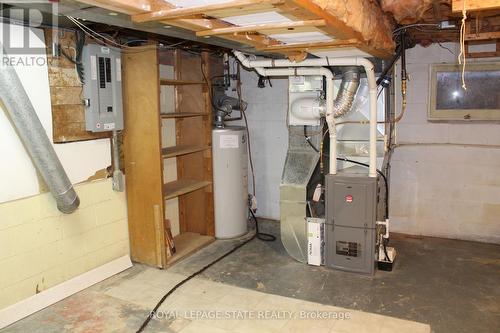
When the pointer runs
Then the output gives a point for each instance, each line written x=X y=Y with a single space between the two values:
x=171 y=82
x=182 y=114
x=182 y=150
x=182 y=186
x=188 y=243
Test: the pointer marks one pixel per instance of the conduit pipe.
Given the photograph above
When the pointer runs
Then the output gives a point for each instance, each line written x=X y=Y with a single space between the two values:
x=35 y=140
x=262 y=67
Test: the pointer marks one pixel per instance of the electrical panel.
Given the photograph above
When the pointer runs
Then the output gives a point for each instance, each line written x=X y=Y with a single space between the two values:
x=102 y=89
x=351 y=214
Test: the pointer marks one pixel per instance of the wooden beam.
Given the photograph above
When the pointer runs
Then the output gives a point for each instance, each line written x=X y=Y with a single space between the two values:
x=173 y=13
x=336 y=26
x=132 y=7
x=436 y=9
x=261 y=27
x=122 y=6
x=472 y=5
x=483 y=36
x=311 y=46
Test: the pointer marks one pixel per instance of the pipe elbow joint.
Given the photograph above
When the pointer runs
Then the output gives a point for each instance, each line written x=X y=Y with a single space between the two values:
x=68 y=202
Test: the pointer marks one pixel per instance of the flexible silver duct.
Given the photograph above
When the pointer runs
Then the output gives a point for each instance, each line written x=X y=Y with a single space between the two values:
x=35 y=140
x=347 y=91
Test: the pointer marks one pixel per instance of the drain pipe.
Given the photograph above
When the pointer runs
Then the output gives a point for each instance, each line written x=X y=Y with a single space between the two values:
x=262 y=65
x=35 y=140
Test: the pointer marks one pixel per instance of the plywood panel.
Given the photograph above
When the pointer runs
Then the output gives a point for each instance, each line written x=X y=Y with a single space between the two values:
x=143 y=162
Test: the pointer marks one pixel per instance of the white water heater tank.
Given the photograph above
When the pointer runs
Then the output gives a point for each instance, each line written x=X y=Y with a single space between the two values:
x=230 y=170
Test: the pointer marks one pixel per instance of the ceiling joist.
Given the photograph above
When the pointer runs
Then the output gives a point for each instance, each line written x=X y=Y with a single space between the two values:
x=133 y=7
x=473 y=5
x=483 y=36
x=290 y=26
x=313 y=46
x=174 y=13
x=359 y=24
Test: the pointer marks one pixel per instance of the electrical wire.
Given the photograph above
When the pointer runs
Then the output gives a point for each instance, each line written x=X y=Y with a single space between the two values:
x=414 y=26
x=110 y=42
x=92 y=34
x=259 y=235
x=249 y=151
x=446 y=48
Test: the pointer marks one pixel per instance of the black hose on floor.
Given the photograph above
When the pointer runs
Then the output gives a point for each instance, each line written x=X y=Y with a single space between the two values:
x=262 y=236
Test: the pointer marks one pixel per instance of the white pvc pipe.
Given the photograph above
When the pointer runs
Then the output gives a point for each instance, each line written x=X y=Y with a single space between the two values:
x=261 y=68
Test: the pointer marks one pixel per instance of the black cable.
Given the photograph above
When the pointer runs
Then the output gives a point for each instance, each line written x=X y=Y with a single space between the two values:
x=262 y=236
x=309 y=142
x=390 y=65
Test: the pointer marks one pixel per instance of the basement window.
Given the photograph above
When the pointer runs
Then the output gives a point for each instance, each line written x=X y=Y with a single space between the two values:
x=481 y=100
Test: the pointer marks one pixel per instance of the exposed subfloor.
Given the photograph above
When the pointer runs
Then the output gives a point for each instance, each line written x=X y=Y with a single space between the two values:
x=452 y=285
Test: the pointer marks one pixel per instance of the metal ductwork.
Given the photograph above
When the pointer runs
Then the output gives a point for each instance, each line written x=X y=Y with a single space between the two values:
x=347 y=91
x=35 y=140
x=224 y=106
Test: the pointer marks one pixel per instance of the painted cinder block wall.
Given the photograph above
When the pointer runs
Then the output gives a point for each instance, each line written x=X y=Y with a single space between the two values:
x=444 y=191
x=447 y=190
x=41 y=247
x=266 y=113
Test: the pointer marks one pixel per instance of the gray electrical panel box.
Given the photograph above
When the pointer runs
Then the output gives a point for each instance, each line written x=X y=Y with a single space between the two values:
x=351 y=215
x=102 y=88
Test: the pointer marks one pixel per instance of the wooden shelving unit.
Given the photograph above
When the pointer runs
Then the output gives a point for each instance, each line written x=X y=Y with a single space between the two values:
x=147 y=192
x=182 y=150
x=182 y=115
x=183 y=186
x=170 y=82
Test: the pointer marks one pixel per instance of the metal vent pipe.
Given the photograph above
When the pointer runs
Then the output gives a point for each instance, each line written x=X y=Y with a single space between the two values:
x=347 y=91
x=35 y=140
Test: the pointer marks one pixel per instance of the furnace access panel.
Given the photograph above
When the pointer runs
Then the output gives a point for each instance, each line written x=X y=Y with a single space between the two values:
x=350 y=230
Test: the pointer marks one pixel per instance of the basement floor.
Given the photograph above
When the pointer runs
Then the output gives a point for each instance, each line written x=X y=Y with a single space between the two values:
x=454 y=286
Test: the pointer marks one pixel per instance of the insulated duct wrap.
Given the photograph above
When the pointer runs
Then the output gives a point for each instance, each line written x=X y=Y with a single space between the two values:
x=31 y=132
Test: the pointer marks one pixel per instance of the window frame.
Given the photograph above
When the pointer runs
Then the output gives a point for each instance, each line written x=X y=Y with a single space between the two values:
x=434 y=114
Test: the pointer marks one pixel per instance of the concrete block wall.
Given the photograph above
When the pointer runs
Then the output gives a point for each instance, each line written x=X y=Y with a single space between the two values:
x=444 y=190
x=266 y=113
x=40 y=247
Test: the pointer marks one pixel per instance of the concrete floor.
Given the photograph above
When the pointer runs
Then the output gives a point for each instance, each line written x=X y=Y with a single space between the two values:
x=451 y=285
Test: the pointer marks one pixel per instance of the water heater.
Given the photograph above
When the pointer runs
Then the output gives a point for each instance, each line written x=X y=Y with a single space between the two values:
x=230 y=170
